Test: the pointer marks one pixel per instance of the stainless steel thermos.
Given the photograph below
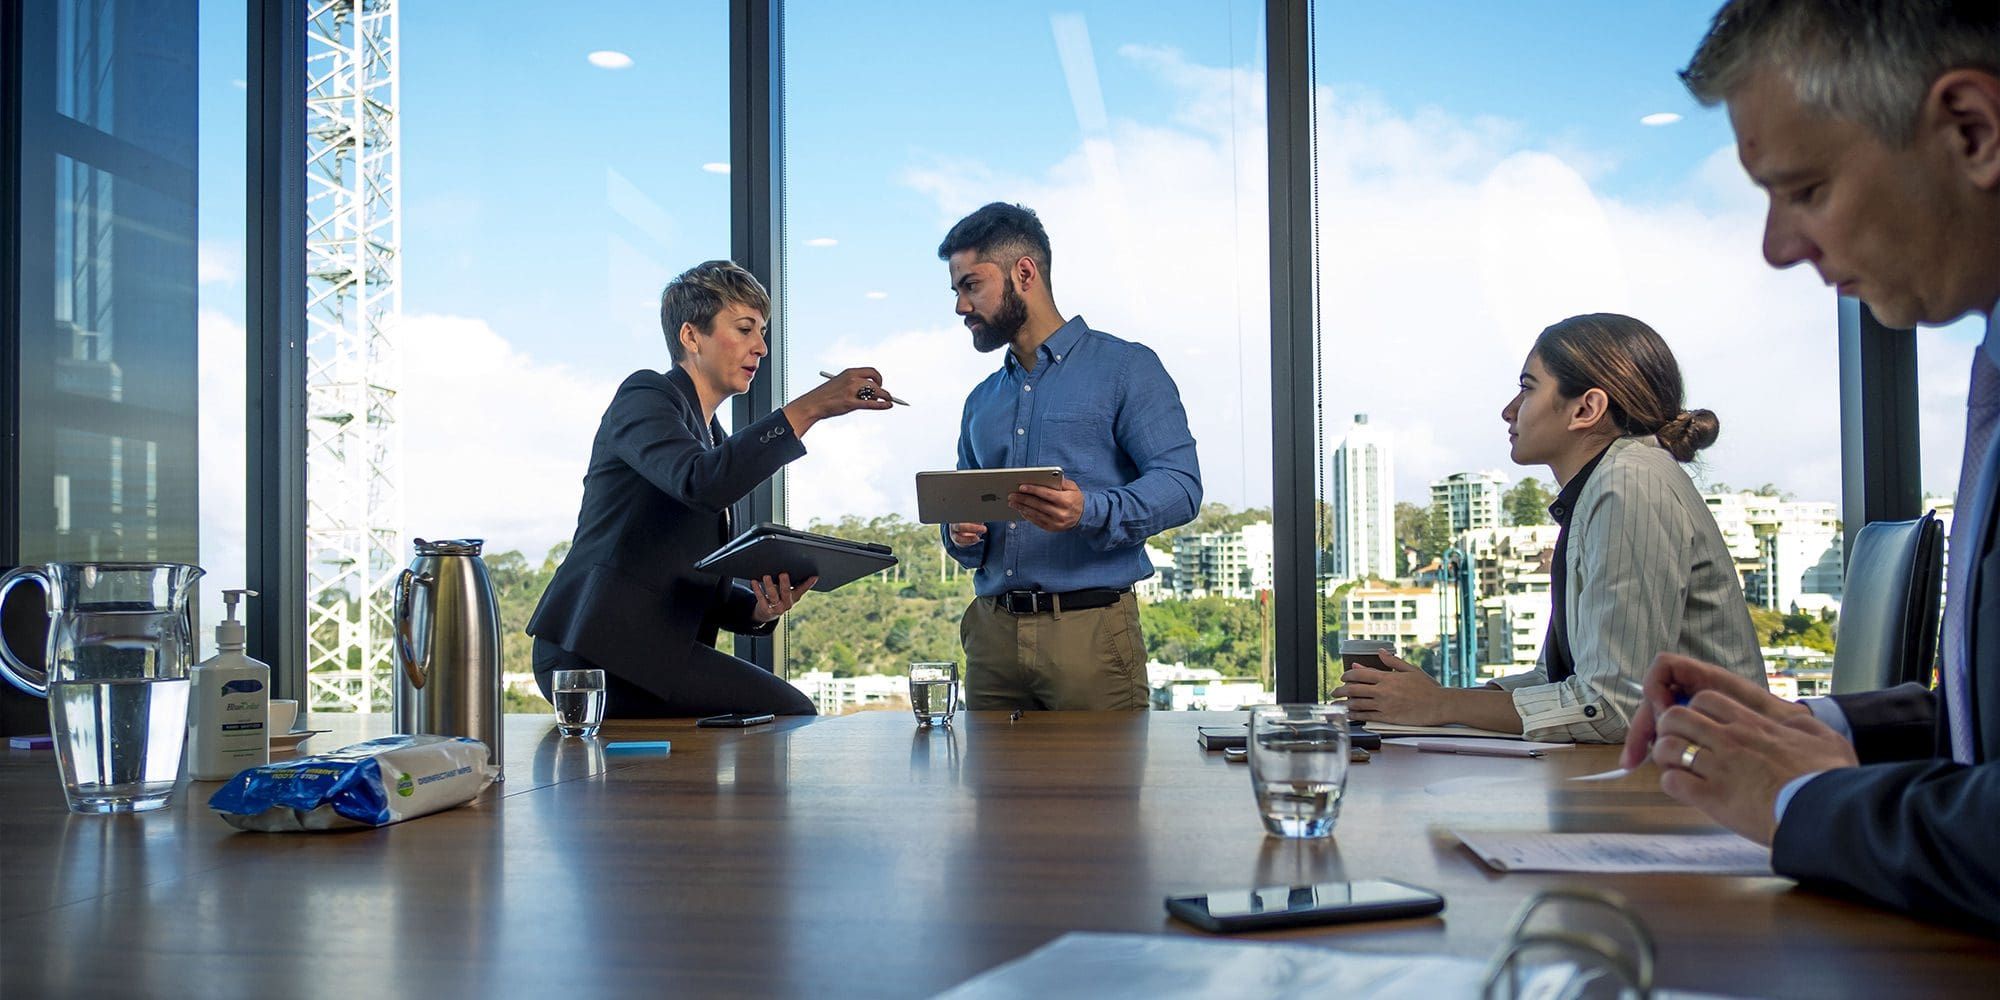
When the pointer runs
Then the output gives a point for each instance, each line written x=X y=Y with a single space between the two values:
x=448 y=645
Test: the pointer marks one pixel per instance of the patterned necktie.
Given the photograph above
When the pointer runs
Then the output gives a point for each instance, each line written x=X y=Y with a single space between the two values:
x=1973 y=509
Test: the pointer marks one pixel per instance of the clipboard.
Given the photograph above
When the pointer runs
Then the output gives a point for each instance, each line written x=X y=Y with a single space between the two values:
x=770 y=549
x=976 y=495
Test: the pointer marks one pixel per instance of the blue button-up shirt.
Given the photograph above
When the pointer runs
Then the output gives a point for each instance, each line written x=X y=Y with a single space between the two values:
x=1107 y=412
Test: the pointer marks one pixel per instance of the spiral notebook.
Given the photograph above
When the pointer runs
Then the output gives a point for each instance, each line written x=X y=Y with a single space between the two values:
x=770 y=549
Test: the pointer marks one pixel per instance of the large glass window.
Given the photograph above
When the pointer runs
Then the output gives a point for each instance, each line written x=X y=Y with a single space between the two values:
x=1484 y=171
x=107 y=381
x=1136 y=132
x=551 y=182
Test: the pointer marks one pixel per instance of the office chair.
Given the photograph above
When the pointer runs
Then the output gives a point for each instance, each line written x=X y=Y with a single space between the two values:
x=1888 y=628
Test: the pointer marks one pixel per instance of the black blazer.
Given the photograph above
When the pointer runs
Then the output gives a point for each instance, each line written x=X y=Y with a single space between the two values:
x=656 y=499
x=1918 y=835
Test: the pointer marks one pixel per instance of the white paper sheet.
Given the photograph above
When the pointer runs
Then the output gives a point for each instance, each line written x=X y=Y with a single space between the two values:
x=1623 y=853
x=1145 y=966
x=1612 y=775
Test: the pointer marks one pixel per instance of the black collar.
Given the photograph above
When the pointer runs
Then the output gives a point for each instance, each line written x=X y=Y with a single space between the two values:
x=1566 y=500
x=682 y=381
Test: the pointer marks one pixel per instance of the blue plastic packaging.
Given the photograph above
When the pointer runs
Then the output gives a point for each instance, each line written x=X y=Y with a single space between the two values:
x=368 y=784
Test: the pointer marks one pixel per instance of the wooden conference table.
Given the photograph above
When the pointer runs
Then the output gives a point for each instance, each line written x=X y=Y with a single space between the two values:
x=851 y=856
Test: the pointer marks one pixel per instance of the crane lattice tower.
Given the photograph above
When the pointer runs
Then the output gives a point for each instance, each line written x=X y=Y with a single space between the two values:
x=354 y=516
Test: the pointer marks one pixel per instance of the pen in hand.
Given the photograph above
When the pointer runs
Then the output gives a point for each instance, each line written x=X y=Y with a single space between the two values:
x=883 y=393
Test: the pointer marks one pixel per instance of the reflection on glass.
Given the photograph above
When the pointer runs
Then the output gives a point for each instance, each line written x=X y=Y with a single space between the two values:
x=107 y=310
x=1136 y=133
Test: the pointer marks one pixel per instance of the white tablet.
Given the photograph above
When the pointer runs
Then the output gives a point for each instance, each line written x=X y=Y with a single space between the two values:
x=976 y=495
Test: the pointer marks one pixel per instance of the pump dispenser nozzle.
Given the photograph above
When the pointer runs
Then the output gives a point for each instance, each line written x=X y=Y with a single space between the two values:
x=230 y=634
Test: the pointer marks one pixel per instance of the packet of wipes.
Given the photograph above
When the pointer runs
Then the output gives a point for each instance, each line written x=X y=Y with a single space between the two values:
x=368 y=784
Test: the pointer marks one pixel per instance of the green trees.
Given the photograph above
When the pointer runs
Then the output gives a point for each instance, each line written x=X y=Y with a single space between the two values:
x=1776 y=628
x=1220 y=633
x=1426 y=529
x=883 y=623
x=1527 y=502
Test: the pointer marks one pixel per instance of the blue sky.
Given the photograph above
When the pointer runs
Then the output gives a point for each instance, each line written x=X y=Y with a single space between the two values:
x=1487 y=172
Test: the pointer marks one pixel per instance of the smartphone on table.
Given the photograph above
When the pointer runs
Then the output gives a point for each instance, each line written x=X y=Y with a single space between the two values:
x=735 y=720
x=1299 y=905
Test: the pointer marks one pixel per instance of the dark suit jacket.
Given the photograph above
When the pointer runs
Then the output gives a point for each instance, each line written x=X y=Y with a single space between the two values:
x=656 y=499
x=1922 y=835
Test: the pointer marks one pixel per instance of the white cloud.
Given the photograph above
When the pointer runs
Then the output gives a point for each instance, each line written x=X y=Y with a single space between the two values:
x=1447 y=244
x=218 y=262
x=610 y=59
x=865 y=462
x=877 y=296
x=822 y=241
x=220 y=514
x=495 y=440
x=1659 y=118
x=715 y=168
x=1944 y=359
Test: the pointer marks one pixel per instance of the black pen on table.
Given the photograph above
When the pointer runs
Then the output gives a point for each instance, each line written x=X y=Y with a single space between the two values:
x=883 y=392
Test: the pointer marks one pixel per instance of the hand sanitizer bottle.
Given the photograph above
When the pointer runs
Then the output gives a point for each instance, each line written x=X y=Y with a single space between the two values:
x=232 y=704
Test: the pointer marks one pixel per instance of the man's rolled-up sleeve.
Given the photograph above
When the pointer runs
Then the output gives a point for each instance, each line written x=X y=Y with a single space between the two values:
x=1152 y=430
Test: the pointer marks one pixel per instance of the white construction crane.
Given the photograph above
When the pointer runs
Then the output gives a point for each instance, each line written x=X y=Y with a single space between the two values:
x=354 y=515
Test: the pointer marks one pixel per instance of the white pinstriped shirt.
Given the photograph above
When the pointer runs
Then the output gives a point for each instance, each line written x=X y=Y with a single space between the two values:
x=1648 y=573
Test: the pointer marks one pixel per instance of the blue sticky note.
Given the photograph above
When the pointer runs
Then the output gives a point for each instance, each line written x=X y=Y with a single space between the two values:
x=640 y=746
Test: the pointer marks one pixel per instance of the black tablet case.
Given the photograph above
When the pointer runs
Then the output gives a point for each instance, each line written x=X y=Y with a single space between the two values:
x=770 y=549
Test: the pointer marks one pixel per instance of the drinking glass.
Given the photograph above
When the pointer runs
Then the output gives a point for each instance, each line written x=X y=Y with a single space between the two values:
x=579 y=701
x=933 y=692
x=1298 y=767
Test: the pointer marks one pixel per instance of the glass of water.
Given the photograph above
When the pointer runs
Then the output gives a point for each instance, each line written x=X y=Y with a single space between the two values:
x=1298 y=767
x=579 y=701
x=933 y=692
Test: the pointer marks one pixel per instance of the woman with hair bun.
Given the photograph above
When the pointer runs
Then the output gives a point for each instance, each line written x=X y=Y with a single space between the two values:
x=1639 y=567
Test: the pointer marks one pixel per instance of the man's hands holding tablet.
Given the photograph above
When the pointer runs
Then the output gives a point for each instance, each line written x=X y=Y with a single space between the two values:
x=1050 y=508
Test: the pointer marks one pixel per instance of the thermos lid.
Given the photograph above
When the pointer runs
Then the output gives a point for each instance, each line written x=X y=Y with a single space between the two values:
x=450 y=547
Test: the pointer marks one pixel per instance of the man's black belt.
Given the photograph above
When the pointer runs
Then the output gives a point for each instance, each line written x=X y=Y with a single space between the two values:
x=1028 y=602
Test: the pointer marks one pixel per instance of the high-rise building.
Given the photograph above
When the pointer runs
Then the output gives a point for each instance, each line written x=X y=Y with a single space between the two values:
x=1789 y=553
x=1224 y=563
x=1364 y=504
x=1470 y=500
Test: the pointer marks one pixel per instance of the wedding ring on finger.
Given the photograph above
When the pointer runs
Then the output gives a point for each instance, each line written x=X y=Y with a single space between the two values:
x=1688 y=755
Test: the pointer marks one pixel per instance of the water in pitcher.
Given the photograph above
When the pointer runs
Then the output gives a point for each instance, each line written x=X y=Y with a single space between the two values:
x=118 y=741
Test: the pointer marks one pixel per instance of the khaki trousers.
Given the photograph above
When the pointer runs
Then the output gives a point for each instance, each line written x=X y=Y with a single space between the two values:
x=1091 y=660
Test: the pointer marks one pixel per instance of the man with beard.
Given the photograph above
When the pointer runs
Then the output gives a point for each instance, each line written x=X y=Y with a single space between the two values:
x=1056 y=625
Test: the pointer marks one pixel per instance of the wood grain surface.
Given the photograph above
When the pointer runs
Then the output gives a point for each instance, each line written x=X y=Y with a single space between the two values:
x=852 y=856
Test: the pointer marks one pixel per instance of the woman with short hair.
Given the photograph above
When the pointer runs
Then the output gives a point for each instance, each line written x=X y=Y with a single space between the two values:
x=656 y=499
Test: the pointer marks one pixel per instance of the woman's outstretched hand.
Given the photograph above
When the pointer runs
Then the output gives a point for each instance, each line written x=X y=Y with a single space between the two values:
x=853 y=389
